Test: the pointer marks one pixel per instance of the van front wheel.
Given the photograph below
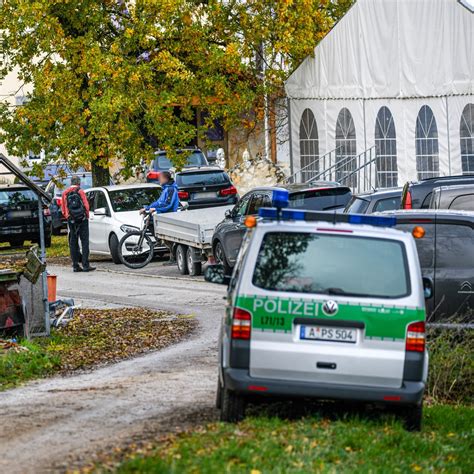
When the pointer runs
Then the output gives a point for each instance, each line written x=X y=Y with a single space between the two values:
x=232 y=406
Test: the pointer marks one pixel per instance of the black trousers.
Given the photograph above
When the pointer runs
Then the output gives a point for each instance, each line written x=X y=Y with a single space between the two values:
x=76 y=232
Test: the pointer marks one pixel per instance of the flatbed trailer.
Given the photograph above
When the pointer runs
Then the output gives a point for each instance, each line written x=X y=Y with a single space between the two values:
x=189 y=235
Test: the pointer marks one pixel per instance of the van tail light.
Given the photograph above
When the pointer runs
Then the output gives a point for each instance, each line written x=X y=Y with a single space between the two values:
x=416 y=339
x=59 y=201
x=184 y=195
x=241 y=321
x=408 y=202
x=153 y=174
x=228 y=191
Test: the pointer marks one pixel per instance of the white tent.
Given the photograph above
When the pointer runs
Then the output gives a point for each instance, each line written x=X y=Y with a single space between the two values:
x=394 y=77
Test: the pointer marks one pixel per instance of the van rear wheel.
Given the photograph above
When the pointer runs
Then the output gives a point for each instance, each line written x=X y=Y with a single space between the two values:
x=232 y=406
x=412 y=417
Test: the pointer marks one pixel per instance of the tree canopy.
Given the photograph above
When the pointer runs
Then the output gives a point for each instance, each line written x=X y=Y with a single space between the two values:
x=115 y=80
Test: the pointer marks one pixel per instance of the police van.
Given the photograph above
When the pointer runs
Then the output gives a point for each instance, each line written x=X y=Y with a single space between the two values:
x=327 y=306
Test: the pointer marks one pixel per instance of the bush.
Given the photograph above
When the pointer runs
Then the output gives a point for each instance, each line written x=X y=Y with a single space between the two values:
x=451 y=374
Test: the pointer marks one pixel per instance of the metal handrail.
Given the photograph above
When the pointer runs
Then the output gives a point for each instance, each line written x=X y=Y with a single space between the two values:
x=333 y=170
x=308 y=166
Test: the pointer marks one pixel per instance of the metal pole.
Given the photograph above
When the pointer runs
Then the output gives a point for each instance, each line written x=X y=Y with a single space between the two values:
x=288 y=107
x=43 y=260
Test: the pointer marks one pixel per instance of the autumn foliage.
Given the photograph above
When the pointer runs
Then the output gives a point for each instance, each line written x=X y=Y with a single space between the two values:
x=115 y=79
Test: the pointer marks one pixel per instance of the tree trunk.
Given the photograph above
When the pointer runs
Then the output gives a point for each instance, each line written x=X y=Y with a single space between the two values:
x=100 y=175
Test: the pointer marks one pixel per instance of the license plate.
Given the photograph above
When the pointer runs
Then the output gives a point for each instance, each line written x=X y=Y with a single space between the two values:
x=16 y=214
x=325 y=333
x=204 y=195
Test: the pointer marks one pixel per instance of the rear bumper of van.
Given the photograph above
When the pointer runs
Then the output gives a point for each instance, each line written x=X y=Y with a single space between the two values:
x=239 y=380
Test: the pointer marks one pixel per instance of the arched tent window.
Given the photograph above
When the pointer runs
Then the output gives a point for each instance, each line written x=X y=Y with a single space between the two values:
x=309 y=146
x=386 y=149
x=346 y=149
x=466 y=133
x=427 y=152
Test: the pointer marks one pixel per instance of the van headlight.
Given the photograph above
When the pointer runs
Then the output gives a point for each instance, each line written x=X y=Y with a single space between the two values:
x=128 y=228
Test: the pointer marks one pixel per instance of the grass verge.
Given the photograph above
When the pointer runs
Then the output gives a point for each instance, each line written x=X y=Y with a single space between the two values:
x=316 y=444
x=92 y=338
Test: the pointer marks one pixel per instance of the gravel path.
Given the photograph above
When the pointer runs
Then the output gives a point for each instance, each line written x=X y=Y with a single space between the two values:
x=48 y=425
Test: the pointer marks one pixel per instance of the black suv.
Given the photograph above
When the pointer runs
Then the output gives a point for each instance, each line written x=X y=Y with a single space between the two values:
x=446 y=254
x=161 y=162
x=417 y=195
x=206 y=187
x=228 y=235
x=19 y=216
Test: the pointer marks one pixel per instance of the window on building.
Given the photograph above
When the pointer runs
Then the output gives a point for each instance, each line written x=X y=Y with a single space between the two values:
x=386 y=149
x=427 y=152
x=467 y=139
x=346 y=149
x=309 y=146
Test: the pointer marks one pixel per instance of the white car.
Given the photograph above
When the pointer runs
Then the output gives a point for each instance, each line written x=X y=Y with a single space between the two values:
x=113 y=209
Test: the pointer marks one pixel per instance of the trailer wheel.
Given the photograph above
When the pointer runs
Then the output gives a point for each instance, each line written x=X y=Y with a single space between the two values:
x=194 y=268
x=181 y=259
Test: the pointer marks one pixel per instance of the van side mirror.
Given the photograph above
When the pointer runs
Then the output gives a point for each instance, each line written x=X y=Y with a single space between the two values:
x=427 y=288
x=216 y=274
x=228 y=214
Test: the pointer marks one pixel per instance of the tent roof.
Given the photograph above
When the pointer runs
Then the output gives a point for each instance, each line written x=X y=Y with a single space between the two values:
x=392 y=49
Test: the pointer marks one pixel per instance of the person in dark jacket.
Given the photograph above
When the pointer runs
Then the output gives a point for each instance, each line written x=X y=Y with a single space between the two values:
x=168 y=200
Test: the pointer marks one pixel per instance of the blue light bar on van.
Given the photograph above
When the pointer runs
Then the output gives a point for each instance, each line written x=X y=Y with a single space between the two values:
x=298 y=215
x=280 y=198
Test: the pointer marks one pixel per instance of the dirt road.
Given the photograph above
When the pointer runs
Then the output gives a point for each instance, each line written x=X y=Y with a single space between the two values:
x=48 y=424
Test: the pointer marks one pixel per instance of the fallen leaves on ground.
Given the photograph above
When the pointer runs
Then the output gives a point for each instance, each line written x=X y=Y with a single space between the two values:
x=93 y=337
x=102 y=336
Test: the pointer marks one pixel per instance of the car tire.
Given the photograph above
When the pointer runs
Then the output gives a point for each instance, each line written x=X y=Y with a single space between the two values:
x=221 y=258
x=114 y=249
x=16 y=242
x=232 y=406
x=181 y=259
x=412 y=417
x=219 y=395
x=194 y=268
x=56 y=230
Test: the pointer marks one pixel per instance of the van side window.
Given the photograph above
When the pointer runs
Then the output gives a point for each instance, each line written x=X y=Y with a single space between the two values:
x=463 y=203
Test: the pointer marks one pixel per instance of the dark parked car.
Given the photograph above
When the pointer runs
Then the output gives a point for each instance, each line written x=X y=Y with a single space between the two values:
x=19 y=216
x=378 y=201
x=446 y=254
x=229 y=233
x=459 y=198
x=206 y=187
x=161 y=162
x=417 y=195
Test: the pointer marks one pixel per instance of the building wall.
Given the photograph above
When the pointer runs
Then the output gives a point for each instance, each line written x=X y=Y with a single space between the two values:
x=446 y=110
x=11 y=92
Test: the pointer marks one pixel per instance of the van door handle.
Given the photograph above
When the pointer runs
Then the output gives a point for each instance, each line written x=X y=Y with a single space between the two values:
x=326 y=365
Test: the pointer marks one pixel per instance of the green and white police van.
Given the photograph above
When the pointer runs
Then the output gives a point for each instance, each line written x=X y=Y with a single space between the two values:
x=326 y=306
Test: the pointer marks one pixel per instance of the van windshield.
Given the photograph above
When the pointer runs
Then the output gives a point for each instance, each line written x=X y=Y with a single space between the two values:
x=332 y=265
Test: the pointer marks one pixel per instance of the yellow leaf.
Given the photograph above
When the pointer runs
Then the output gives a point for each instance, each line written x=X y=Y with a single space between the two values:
x=255 y=471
